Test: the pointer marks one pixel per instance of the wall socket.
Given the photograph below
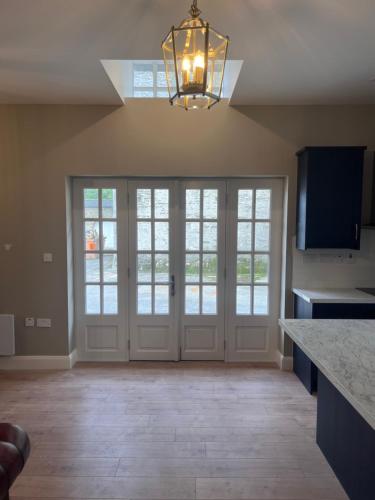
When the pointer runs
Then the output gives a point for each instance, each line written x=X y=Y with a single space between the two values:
x=43 y=322
x=29 y=322
x=47 y=257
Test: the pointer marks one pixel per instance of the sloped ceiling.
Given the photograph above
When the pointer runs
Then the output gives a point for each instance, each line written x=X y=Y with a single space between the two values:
x=294 y=51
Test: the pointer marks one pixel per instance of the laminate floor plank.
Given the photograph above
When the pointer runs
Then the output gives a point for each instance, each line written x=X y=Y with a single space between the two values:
x=167 y=431
x=269 y=489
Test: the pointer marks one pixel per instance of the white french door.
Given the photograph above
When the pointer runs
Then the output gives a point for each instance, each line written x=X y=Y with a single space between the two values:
x=177 y=269
x=254 y=238
x=203 y=263
x=153 y=257
x=100 y=264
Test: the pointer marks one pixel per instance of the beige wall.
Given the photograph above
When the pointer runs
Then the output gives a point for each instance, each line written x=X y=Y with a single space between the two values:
x=41 y=145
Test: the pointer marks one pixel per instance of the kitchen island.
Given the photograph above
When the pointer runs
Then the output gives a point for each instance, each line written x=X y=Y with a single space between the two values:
x=344 y=353
x=326 y=303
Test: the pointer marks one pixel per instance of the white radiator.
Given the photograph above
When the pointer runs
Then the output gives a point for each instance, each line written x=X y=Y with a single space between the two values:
x=7 y=347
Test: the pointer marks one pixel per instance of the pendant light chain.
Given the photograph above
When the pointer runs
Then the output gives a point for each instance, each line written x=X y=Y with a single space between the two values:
x=194 y=11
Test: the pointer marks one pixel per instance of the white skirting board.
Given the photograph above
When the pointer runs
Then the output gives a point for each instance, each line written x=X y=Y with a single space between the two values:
x=67 y=362
x=38 y=362
x=285 y=363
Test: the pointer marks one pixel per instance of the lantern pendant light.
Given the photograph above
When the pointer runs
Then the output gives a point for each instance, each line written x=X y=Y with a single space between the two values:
x=194 y=58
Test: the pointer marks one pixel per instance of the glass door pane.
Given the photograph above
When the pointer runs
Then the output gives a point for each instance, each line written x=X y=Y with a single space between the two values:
x=201 y=251
x=253 y=251
x=153 y=235
x=100 y=251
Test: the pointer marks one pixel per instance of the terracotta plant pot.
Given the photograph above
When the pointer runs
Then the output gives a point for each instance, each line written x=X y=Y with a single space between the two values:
x=91 y=245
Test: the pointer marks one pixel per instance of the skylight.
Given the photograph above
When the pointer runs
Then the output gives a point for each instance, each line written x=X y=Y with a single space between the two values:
x=141 y=79
x=149 y=80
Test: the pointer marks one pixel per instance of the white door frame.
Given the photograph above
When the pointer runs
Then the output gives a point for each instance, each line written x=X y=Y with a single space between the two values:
x=106 y=337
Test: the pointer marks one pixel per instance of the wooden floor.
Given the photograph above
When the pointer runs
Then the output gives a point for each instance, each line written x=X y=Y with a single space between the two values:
x=167 y=431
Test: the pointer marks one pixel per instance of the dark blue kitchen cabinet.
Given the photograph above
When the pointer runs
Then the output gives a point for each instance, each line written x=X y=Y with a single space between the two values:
x=305 y=370
x=346 y=440
x=329 y=197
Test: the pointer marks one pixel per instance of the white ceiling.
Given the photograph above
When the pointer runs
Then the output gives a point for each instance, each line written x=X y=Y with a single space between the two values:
x=294 y=51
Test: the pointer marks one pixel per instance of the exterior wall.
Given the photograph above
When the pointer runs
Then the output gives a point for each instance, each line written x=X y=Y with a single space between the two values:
x=41 y=146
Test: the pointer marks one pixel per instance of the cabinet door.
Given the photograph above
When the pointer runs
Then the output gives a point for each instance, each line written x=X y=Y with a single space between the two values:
x=329 y=198
x=346 y=440
x=334 y=199
x=343 y=311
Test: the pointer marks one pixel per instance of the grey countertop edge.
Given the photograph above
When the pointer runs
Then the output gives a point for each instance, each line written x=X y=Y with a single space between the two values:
x=370 y=419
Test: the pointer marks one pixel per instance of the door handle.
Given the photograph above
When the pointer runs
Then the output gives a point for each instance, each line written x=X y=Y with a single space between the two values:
x=173 y=286
x=356 y=232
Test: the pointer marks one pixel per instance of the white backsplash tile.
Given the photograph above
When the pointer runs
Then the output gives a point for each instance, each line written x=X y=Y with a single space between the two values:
x=336 y=268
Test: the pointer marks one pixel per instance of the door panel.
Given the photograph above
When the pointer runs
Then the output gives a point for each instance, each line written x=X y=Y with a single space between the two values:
x=203 y=261
x=153 y=331
x=254 y=222
x=100 y=229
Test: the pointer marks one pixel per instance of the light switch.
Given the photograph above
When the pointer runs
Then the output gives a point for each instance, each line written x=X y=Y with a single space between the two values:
x=29 y=322
x=47 y=257
x=43 y=323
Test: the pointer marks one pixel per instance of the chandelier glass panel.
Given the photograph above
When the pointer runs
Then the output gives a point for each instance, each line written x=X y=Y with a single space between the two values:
x=194 y=57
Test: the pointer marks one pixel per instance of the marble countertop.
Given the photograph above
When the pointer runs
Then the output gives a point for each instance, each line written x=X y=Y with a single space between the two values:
x=334 y=296
x=344 y=351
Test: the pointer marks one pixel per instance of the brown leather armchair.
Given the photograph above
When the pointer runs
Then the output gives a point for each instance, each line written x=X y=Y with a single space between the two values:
x=14 y=452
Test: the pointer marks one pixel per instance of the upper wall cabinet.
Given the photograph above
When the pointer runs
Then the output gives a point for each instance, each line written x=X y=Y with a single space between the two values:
x=329 y=197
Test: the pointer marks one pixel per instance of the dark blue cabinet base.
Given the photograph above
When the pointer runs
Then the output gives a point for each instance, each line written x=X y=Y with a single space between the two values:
x=347 y=441
x=304 y=369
